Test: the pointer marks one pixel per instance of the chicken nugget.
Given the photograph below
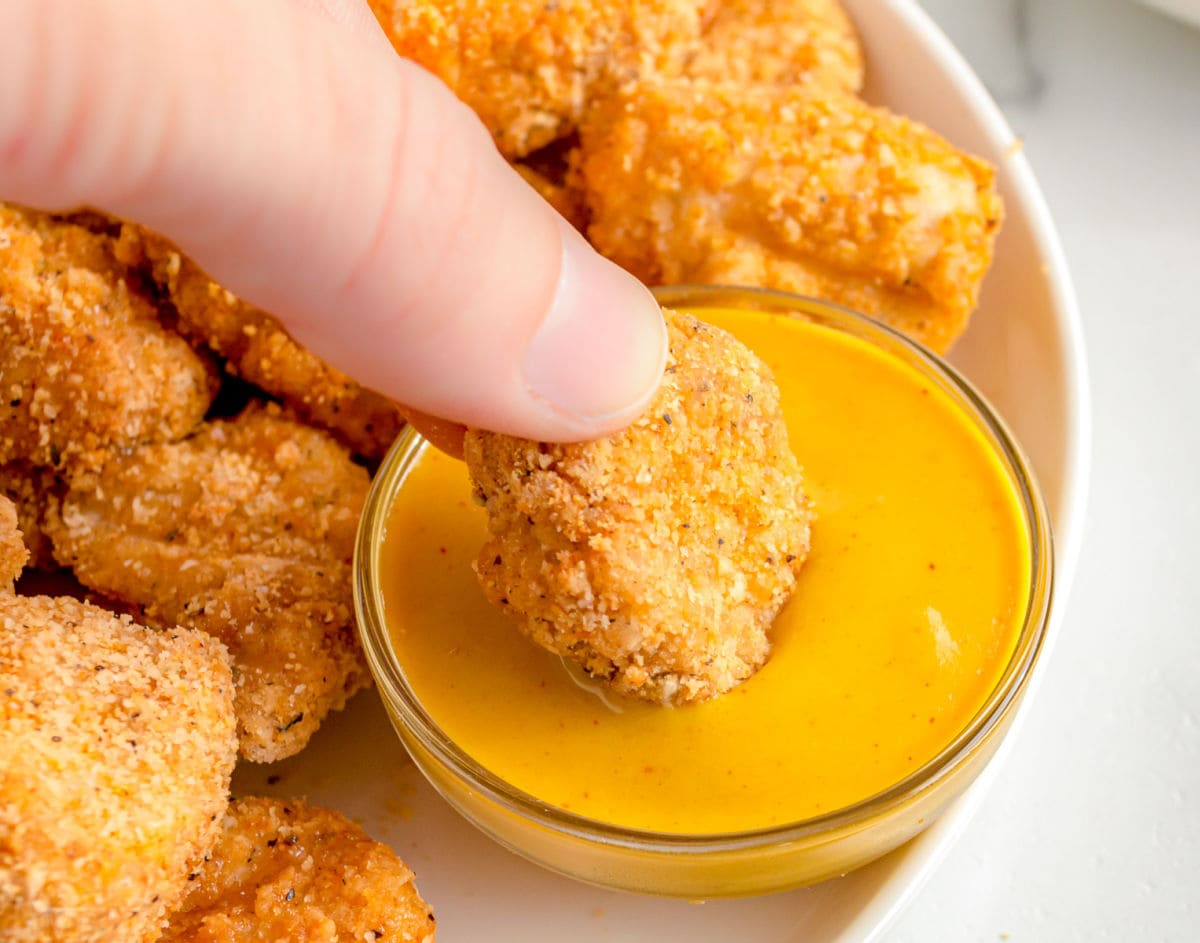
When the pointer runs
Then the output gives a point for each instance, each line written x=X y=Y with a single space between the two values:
x=284 y=870
x=530 y=68
x=818 y=194
x=86 y=367
x=246 y=531
x=34 y=492
x=12 y=548
x=656 y=557
x=116 y=748
x=257 y=348
x=780 y=42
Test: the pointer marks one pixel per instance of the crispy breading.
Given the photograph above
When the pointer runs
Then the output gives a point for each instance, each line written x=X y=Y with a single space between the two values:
x=656 y=557
x=86 y=367
x=817 y=194
x=245 y=530
x=530 y=68
x=12 y=548
x=257 y=348
x=34 y=492
x=116 y=748
x=284 y=870
x=780 y=42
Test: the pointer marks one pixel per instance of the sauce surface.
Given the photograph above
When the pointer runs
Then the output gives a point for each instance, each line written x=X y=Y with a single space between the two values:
x=905 y=616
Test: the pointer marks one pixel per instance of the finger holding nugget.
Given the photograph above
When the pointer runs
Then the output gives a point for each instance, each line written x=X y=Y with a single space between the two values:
x=667 y=593
x=318 y=176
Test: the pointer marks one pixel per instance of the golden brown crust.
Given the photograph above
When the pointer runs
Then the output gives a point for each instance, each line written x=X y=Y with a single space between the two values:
x=245 y=530
x=283 y=870
x=780 y=42
x=256 y=347
x=530 y=68
x=34 y=492
x=12 y=548
x=817 y=194
x=656 y=557
x=116 y=748
x=87 y=367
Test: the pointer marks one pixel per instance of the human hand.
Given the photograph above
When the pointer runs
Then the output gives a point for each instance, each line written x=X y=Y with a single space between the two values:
x=287 y=149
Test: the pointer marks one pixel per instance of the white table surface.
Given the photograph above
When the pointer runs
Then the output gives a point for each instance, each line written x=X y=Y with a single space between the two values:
x=1092 y=829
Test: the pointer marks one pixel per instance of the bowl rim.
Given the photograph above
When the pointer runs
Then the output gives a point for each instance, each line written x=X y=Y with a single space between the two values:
x=1007 y=693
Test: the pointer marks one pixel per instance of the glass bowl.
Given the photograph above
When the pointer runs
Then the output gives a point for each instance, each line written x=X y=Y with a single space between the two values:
x=736 y=863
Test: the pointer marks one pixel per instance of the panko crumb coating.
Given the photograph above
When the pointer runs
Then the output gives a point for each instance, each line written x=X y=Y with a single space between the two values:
x=256 y=347
x=656 y=557
x=818 y=194
x=116 y=747
x=12 y=548
x=780 y=42
x=530 y=68
x=86 y=367
x=246 y=531
x=34 y=492
x=284 y=870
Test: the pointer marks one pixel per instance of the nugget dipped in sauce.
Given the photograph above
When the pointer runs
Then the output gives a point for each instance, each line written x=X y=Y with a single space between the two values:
x=284 y=870
x=656 y=557
x=116 y=747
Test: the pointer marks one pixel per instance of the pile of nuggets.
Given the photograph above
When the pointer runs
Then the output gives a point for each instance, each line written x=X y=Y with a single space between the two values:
x=199 y=475
x=721 y=142
x=210 y=531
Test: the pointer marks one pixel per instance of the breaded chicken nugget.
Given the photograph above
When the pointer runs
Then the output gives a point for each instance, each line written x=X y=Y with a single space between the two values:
x=530 y=68
x=657 y=557
x=245 y=530
x=12 y=548
x=33 y=490
x=86 y=367
x=116 y=747
x=817 y=194
x=780 y=42
x=256 y=347
x=283 y=870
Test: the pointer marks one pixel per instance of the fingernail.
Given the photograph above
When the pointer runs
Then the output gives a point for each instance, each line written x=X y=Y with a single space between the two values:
x=599 y=354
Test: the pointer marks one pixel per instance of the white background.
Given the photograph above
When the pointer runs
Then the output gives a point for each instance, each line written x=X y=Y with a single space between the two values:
x=1092 y=829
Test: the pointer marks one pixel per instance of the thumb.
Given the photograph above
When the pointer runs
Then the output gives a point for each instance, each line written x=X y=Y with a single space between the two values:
x=317 y=175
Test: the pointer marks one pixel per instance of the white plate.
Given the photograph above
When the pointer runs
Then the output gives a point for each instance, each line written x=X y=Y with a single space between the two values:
x=1024 y=351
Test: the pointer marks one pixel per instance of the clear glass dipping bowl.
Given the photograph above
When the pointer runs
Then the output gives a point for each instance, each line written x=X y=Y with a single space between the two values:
x=739 y=863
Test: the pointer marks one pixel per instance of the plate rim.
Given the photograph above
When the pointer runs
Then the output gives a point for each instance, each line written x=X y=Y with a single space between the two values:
x=915 y=863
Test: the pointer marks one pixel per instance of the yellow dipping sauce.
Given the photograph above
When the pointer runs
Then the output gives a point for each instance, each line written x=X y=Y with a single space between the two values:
x=905 y=617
